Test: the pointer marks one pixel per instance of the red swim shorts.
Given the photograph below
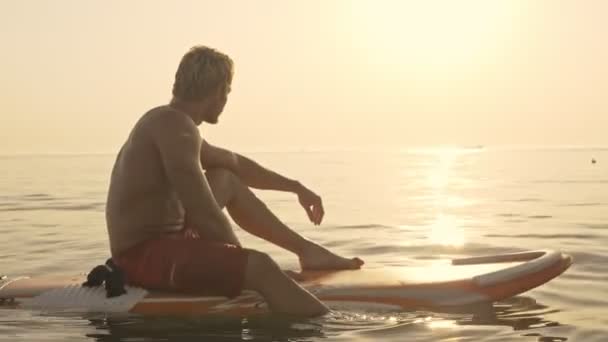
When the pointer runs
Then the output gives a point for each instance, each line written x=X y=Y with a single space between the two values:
x=184 y=262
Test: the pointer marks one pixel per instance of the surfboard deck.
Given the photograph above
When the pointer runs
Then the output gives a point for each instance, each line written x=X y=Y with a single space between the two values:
x=462 y=282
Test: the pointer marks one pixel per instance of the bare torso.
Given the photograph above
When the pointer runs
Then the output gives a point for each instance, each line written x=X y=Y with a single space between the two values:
x=141 y=203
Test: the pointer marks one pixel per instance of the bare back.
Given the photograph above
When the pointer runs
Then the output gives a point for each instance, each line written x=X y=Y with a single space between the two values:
x=141 y=202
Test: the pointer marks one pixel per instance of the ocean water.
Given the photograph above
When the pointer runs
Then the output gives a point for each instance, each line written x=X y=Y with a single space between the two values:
x=389 y=207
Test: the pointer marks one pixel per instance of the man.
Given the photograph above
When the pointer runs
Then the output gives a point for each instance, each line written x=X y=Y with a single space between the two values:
x=164 y=214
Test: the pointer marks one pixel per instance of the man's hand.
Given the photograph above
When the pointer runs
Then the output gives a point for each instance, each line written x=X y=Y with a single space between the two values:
x=312 y=203
x=258 y=177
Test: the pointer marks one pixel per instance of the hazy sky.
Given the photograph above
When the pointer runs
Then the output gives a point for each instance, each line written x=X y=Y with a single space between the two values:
x=77 y=74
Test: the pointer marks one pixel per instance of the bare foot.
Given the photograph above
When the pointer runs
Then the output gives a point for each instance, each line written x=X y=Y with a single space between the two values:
x=316 y=257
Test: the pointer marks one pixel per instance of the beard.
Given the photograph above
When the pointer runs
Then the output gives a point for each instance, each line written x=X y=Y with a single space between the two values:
x=214 y=113
x=213 y=120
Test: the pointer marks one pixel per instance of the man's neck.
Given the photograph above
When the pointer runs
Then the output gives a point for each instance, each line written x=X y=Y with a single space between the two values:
x=192 y=109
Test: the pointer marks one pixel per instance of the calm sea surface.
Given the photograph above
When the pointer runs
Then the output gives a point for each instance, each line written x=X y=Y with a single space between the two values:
x=397 y=207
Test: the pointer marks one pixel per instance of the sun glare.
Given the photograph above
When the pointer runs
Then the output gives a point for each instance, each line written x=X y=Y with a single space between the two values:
x=442 y=324
x=446 y=231
x=432 y=34
x=439 y=176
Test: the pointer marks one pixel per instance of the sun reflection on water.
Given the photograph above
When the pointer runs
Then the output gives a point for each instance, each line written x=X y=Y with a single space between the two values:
x=442 y=324
x=447 y=231
x=440 y=174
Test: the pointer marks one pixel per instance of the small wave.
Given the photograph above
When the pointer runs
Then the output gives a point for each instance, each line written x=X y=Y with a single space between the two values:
x=546 y=236
x=573 y=181
x=590 y=204
x=67 y=207
x=46 y=225
x=378 y=250
x=540 y=216
x=594 y=225
x=363 y=226
x=515 y=221
x=508 y=215
x=589 y=258
x=531 y=199
x=36 y=195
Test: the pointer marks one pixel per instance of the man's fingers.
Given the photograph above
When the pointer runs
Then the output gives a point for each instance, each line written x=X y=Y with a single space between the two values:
x=313 y=206
x=309 y=213
x=320 y=212
x=316 y=214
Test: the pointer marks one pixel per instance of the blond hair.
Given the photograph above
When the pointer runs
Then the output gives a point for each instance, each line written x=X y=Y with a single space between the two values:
x=201 y=71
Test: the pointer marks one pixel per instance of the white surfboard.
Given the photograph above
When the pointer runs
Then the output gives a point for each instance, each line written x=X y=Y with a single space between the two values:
x=462 y=282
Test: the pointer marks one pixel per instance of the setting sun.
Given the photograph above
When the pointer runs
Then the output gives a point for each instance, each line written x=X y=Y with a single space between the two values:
x=433 y=35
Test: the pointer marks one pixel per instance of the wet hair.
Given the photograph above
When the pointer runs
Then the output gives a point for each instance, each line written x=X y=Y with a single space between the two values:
x=201 y=71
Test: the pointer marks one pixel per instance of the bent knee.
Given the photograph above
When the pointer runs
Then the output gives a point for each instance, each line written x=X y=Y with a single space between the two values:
x=219 y=173
x=222 y=178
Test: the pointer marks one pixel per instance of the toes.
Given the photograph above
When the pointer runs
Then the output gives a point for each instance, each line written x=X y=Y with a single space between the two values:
x=356 y=263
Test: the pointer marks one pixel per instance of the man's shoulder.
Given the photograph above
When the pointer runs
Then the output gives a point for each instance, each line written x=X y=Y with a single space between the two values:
x=166 y=119
x=161 y=113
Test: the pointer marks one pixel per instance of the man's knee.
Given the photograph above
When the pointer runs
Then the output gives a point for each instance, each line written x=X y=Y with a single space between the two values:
x=222 y=177
x=219 y=174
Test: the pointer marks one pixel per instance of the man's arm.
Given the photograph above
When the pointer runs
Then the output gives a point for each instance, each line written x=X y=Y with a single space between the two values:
x=179 y=144
x=259 y=177
x=250 y=172
x=256 y=176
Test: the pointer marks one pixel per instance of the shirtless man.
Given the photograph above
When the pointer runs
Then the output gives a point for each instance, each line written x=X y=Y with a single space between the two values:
x=164 y=213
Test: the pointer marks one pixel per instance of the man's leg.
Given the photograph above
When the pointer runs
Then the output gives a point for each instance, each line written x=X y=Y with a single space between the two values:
x=253 y=215
x=204 y=267
x=282 y=293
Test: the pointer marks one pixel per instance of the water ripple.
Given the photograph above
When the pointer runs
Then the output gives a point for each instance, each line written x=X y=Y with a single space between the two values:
x=594 y=225
x=37 y=197
x=49 y=228
x=545 y=236
x=584 y=204
x=508 y=215
x=574 y=181
x=530 y=199
x=77 y=207
x=364 y=226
